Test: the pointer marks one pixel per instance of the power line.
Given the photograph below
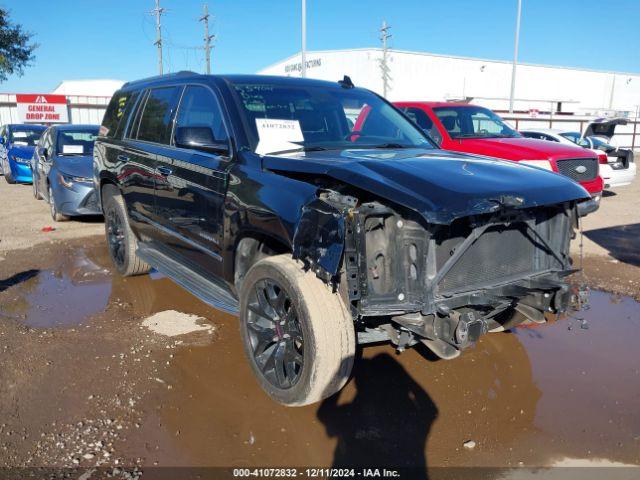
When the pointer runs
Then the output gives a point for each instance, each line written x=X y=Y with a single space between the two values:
x=158 y=11
x=207 y=38
x=303 y=46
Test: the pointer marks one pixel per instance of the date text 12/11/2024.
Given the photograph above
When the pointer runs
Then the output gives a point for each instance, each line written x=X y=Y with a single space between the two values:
x=315 y=473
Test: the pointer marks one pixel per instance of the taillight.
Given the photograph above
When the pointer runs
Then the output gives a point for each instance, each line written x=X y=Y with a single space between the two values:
x=602 y=158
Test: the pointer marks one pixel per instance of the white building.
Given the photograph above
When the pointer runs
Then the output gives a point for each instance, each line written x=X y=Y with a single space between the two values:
x=427 y=76
x=553 y=96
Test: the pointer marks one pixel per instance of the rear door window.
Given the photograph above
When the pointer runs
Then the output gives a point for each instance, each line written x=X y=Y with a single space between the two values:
x=116 y=114
x=156 y=121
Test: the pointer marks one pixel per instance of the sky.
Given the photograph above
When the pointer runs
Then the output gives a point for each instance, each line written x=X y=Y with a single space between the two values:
x=114 y=39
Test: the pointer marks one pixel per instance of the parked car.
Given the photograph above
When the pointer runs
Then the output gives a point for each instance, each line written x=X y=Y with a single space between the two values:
x=257 y=195
x=462 y=127
x=17 y=143
x=617 y=167
x=62 y=166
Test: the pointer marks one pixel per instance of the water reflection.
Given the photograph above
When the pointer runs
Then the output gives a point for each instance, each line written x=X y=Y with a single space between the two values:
x=77 y=287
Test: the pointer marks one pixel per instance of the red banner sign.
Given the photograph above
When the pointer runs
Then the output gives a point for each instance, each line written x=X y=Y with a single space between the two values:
x=42 y=108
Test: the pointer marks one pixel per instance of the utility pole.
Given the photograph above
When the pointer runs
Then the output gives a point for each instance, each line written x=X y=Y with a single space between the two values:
x=515 y=57
x=158 y=13
x=384 y=66
x=303 y=50
x=207 y=38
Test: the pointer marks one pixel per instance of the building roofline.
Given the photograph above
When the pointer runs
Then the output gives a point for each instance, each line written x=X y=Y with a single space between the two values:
x=460 y=57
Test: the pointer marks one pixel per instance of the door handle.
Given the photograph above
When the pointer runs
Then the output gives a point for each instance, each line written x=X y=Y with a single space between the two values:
x=123 y=158
x=164 y=171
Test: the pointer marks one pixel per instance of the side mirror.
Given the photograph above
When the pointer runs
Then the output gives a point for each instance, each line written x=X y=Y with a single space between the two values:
x=199 y=138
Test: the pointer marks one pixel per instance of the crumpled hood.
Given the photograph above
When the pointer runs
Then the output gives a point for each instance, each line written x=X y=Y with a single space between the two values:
x=22 y=151
x=76 y=166
x=521 y=148
x=440 y=185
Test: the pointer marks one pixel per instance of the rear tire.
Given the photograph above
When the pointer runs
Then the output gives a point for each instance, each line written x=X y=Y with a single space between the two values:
x=57 y=216
x=8 y=177
x=298 y=335
x=121 y=241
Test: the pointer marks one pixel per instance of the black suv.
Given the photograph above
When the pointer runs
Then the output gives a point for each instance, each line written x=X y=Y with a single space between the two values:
x=325 y=218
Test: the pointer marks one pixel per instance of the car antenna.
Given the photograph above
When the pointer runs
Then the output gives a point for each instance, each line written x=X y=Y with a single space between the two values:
x=346 y=82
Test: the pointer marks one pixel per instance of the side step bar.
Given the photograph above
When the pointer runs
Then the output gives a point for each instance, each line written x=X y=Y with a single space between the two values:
x=205 y=289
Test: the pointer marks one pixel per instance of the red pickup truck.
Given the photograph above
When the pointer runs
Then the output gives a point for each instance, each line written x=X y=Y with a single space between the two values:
x=462 y=127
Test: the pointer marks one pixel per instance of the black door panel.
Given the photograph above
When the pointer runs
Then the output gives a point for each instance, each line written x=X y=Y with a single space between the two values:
x=189 y=197
x=137 y=179
x=191 y=184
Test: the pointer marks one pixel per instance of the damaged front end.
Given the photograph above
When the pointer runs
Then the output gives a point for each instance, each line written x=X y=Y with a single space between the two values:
x=409 y=281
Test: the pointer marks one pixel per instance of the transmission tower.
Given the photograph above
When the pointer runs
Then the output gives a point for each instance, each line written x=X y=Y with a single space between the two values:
x=384 y=65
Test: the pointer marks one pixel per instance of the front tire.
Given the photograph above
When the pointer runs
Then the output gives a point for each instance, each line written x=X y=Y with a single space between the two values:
x=8 y=177
x=57 y=216
x=121 y=240
x=298 y=335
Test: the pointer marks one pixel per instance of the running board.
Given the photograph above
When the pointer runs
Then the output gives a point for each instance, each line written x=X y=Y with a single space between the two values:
x=210 y=292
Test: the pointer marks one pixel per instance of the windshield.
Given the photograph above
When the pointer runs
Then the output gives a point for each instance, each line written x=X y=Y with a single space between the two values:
x=473 y=122
x=573 y=136
x=78 y=142
x=588 y=142
x=25 y=136
x=287 y=117
x=600 y=143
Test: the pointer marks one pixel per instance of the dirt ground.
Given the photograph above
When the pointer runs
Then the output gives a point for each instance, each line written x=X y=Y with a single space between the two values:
x=88 y=379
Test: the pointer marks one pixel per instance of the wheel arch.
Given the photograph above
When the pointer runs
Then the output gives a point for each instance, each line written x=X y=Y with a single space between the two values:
x=249 y=248
x=105 y=179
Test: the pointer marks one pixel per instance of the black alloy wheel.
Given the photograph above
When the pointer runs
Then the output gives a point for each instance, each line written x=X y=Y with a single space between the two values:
x=115 y=237
x=275 y=335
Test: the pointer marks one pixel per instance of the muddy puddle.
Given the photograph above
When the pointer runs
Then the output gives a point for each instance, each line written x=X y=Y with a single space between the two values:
x=66 y=295
x=531 y=397
x=79 y=284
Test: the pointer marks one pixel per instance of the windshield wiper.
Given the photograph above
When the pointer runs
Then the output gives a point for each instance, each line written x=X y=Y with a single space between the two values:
x=390 y=145
x=469 y=135
x=503 y=135
x=300 y=149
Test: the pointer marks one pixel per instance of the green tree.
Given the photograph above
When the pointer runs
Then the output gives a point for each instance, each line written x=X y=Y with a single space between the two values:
x=16 y=48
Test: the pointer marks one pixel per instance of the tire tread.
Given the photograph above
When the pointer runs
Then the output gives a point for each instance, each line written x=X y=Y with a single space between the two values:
x=134 y=265
x=332 y=327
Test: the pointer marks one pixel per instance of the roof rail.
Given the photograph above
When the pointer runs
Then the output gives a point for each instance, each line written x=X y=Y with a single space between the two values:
x=182 y=73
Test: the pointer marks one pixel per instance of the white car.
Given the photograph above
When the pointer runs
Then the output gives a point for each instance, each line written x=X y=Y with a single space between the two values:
x=618 y=171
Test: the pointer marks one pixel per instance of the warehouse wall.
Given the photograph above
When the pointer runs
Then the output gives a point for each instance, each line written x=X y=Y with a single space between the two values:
x=420 y=76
